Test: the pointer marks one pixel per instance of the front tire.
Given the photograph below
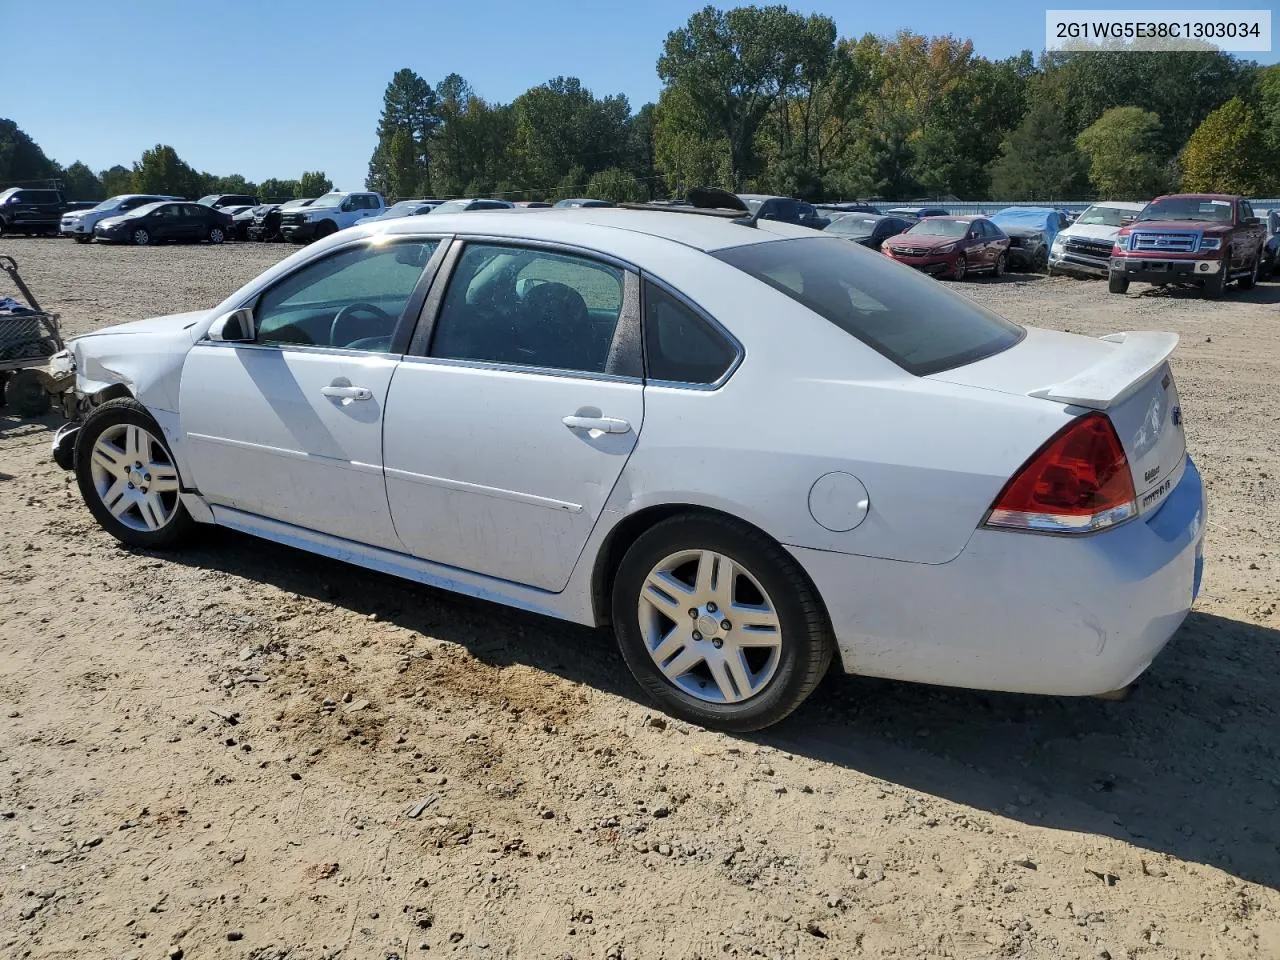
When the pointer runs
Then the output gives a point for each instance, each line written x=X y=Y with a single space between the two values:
x=84 y=238
x=1040 y=261
x=141 y=237
x=25 y=392
x=1216 y=285
x=960 y=268
x=719 y=624
x=1002 y=264
x=128 y=478
x=1117 y=283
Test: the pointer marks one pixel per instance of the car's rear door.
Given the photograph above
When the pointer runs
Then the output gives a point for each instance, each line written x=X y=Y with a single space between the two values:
x=290 y=426
x=511 y=419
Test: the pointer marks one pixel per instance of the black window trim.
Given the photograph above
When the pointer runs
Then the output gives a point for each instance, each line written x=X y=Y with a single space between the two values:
x=705 y=316
x=631 y=311
x=403 y=331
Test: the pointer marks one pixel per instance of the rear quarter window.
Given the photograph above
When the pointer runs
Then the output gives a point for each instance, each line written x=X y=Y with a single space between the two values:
x=906 y=316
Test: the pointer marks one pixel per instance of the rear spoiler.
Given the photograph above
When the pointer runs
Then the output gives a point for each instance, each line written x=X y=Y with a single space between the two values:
x=1121 y=373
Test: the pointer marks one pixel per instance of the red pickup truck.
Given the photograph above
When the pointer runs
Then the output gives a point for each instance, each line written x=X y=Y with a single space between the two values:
x=1206 y=239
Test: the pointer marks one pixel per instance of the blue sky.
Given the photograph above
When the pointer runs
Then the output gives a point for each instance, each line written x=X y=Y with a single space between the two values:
x=272 y=87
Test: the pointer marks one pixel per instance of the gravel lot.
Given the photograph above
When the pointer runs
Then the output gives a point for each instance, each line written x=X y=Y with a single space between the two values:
x=243 y=751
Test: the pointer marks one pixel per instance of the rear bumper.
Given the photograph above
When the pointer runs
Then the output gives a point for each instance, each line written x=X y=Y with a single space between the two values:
x=1163 y=270
x=1023 y=613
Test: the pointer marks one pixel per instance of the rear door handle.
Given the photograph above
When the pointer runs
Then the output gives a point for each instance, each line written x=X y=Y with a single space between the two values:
x=347 y=393
x=603 y=424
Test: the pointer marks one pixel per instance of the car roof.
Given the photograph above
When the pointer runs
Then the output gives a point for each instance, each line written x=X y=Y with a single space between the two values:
x=617 y=231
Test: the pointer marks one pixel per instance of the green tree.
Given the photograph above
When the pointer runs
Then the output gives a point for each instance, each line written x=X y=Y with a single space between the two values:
x=273 y=189
x=1039 y=159
x=81 y=183
x=403 y=171
x=561 y=125
x=21 y=158
x=1226 y=153
x=1123 y=148
x=688 y=154
x=162 y=171
x=411 y=107
x=313 y=183
x=116 y=180
x=616 y=185
x=732 y=66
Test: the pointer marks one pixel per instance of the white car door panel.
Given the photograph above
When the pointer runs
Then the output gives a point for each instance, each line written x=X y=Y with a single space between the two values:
x=291 y=434
x=483 y=472
x=503 y=445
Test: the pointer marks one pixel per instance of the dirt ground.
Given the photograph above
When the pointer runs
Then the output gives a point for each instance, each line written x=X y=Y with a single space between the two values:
x=243 y=751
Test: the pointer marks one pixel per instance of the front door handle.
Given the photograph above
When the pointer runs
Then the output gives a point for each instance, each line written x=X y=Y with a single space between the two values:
x=347 y=393
x=603 y=424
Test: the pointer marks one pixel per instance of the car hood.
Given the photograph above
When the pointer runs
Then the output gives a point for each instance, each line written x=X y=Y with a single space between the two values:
x=1184 y=226
x=162 y=325
x=1090 y=231
x=1012 y=231
x=926 y=240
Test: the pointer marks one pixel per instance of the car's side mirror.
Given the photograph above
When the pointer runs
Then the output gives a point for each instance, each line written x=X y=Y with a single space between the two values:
x=234 y=327
x=347 y=206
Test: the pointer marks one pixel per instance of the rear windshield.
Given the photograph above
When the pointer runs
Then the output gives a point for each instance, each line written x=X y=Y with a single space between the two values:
x=909 y=317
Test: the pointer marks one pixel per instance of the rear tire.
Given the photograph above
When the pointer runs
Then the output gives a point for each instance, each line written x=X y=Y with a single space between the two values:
x=146 y=509
x=766 y=584
x=1117 y=283
x=216 y=235
x=82 y=238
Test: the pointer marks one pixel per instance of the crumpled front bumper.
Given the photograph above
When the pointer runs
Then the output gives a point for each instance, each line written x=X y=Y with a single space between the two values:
x=64 y=445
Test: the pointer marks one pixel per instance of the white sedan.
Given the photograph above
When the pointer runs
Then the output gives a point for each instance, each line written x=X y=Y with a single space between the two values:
x=748 y=447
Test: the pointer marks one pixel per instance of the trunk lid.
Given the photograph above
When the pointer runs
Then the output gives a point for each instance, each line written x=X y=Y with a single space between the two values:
x=1126 y=375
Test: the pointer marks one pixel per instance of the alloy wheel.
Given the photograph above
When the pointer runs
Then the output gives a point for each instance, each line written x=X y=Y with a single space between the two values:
x=134 y=477
x=962 y=265
x=216 y=235
x=141 y=237
x=709 y=626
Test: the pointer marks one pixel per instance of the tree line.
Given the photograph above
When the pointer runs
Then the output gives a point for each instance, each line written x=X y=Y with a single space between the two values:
x=767 y=99
x=770 y=100
x=159 y=170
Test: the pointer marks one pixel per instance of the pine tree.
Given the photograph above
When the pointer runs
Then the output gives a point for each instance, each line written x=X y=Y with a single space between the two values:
x=411 y=107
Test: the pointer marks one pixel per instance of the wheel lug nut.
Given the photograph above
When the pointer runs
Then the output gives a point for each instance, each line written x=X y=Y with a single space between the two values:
x=726 y=625
x=697 y=635
x=693 y=612
x=711 y=608
x=717 y=643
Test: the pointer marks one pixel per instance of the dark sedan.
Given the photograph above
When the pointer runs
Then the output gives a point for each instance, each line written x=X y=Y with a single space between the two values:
x=868 y=229
x=165 y=222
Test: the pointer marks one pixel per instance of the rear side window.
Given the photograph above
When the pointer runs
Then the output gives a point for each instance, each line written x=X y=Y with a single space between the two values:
x=906 y=316
x=680 y=346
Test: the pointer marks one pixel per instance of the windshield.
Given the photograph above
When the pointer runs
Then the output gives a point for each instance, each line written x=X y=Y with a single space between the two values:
x=294 y=204
x=1104 y=215
x=853 y=226
x=111 y=202
x=1187 y=208
x=940 y=228
x=752 y=204
x=330 y=200
x=907 y=316
x=210 y=200
x=453 y=206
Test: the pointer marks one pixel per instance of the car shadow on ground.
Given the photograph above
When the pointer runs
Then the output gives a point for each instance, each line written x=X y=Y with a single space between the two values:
x=1265 y=292
x=1187 y=766
x=11 y=423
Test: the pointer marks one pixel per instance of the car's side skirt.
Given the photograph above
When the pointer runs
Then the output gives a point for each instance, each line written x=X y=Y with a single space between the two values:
x=563 y=606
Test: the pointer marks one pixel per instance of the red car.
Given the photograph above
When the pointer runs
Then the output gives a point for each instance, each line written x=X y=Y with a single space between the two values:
x=952 y=247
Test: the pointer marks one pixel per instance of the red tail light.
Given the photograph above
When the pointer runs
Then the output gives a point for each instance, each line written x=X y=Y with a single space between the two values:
x=1078 y=482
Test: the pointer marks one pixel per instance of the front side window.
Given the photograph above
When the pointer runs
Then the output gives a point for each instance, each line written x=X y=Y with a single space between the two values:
x=680 y=346
x=352 y=299
x=531 y=307
x=904 y=315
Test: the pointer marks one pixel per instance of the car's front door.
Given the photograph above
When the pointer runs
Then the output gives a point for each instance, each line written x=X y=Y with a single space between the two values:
x=290 y=425
x=511 y=420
